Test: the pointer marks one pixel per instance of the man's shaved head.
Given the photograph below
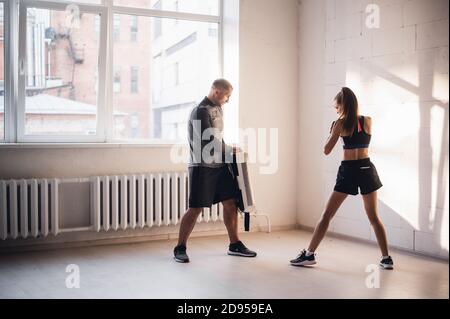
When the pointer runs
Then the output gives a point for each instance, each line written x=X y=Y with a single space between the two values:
x=222 y=84
x=220 y=92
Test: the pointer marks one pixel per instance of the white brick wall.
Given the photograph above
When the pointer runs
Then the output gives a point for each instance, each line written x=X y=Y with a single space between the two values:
x=400 y=74
x=420 y=12
x=432 y=34
x=351 y=227
x=400 y=237
x=429 y=243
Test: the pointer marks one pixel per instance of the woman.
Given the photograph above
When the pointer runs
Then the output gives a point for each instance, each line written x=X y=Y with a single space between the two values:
x=356 y=170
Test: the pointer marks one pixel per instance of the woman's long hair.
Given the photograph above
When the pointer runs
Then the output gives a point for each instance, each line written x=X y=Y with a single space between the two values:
x=347 y=99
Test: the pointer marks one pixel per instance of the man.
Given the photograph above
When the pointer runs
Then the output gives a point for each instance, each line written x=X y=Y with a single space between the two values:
x=210 y=180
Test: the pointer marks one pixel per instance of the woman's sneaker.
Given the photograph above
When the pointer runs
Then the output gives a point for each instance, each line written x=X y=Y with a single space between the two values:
x=304 y=260
x=239 y=249
x=180 y=254
x=387 y=263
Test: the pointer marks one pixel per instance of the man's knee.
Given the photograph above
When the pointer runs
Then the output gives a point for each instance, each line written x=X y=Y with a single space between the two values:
x=194 y=211
x=229 y=205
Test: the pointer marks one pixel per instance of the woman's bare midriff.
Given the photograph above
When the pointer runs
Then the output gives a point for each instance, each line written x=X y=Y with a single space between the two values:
x=356 y=154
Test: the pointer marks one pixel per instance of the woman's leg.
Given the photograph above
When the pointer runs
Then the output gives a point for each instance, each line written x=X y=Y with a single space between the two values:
x=335 y=201
x=370 y=205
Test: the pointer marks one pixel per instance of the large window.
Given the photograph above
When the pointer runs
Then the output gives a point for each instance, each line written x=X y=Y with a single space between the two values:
x=108 y=70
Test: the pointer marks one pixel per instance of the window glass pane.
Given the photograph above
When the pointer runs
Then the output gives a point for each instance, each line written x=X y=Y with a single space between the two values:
x=2 y=75
x=209 y=7
x=167 y=76
x=61 y=74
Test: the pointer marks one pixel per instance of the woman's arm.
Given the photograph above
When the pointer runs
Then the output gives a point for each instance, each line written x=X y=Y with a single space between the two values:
x=334 y=136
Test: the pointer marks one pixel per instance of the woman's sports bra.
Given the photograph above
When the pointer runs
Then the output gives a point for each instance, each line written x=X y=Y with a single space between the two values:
x=359 y=138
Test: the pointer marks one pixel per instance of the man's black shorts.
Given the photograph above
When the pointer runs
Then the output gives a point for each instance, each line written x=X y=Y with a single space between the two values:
x=208 y=186
x=358 y=173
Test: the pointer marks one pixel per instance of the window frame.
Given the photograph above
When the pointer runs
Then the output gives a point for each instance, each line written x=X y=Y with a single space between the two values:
x=15 y=66
x=9 y=8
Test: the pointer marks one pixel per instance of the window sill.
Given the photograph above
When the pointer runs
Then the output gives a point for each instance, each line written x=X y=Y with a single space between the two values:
x=87 y=145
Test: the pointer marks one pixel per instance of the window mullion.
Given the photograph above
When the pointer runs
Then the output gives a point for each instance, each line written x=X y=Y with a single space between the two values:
x=221 y=43
x=109 y=73
x=102 y=101
x=21 y=69
x=10 y=83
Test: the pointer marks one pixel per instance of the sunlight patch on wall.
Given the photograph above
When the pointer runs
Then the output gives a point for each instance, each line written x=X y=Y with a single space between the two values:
x=440 y=87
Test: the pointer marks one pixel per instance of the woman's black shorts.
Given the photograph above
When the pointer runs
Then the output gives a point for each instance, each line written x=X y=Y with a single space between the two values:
x=358 y=173
x=208 y=186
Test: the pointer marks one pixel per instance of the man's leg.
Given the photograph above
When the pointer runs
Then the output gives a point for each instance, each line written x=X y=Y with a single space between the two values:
x=230 y=218
x=187 y=225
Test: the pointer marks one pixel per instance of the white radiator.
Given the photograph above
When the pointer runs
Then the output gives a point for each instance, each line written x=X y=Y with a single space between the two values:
x=143 y=200
x=28 y=208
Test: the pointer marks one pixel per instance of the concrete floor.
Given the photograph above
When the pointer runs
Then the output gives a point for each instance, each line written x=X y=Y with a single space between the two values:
x=147 y=270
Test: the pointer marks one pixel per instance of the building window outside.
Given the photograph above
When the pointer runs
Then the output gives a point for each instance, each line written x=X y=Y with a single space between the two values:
x=134 y=76
x=133 y=28
x=116 y=32
x=116 y=79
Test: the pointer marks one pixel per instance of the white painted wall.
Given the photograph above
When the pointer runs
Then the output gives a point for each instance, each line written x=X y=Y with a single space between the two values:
x=400 y=74
x=268 y=96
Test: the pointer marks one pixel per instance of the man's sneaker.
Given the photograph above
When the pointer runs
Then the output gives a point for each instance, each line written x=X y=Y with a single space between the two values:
x=180 y=254
x=303 y=260
x=239 y=249
x=387 y=263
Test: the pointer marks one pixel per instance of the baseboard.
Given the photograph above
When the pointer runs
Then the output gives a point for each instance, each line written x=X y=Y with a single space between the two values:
x=90 y=238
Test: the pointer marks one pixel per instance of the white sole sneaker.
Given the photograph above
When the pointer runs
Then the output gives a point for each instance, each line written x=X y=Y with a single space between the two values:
x=386 y=266
x=180 y=260
x=232 y=253
x=305 y=263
